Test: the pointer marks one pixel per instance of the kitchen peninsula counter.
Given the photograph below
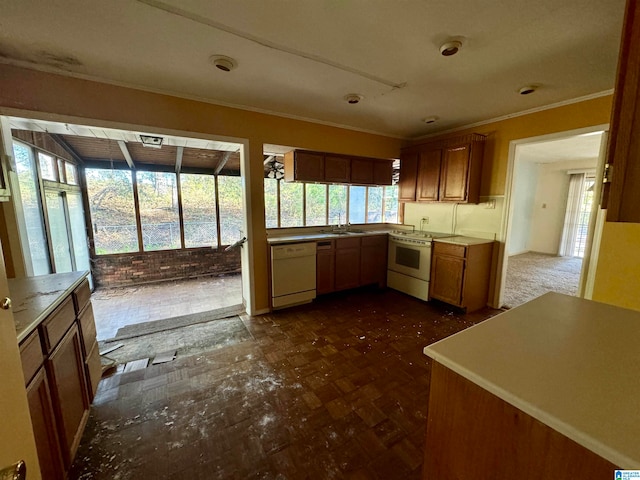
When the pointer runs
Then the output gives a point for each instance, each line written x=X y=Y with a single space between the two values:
x=34 y=298
x=570 y=364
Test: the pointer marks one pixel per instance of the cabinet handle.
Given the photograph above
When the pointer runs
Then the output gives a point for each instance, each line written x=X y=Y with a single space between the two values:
x=6 y=303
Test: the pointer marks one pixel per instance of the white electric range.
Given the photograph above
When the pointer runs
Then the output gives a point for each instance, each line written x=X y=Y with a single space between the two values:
x=409 y=264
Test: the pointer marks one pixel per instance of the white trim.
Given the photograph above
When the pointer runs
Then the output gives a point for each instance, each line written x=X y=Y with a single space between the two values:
x=518 y=114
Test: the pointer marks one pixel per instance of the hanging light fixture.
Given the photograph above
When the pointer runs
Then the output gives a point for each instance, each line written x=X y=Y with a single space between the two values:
x=276 y=170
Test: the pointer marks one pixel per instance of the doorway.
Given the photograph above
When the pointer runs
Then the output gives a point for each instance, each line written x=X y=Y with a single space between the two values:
x=184 y=202
x=550 y=206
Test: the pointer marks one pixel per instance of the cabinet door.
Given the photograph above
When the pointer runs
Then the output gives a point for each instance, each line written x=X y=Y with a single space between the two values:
x=373 y=260
x=347 y=263
x=429 y=175
x=362 y=171
x=309 y=166
x=455 y=173
x=447 y=274
x=408 y=174
x=65 y=368
x=337 y=169
x=44 y=427
x=383 y=172
x=325 y=267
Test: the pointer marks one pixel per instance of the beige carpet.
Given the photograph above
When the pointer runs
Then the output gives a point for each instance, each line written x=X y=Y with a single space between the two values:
x=530 y=275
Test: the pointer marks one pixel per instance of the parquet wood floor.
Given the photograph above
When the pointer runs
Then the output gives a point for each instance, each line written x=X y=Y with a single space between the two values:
x=330 y=390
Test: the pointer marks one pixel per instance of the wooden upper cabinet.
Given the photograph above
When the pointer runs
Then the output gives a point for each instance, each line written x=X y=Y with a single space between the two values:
x=303 y=166
x=428 y=185
x=621 y=194
x=446 y=171
x=408 y=174
x=337 y=169
x=307 y=166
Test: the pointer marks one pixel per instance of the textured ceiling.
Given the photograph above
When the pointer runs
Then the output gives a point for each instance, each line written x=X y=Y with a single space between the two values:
x=300 y=58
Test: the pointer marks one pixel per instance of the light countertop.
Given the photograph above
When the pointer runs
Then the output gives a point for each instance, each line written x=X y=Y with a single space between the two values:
x=315 y=236
x=34 y=298
x=462 y=240
x=571 y=363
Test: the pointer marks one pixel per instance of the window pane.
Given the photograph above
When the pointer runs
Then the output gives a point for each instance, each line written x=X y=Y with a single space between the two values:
x=78 y=231
x=316 y=204
x=61 y=177
x=391 y=204
x=291 y=204
x=271 y=202
x=47 y=166
x=357 y=196
x=231 y=212
x=58 y=231
x=337 y=204
x=374 y=204
x=72 y=173
x=31 y=209
x=158 y=197
x=112 y=209
x=199 y=210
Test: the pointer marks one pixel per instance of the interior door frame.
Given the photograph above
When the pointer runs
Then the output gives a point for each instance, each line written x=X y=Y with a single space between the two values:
x=247 y=250
x=507 y=214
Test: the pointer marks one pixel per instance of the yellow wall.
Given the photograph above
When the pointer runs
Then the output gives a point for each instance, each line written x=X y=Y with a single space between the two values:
x=618 y=272
x=42 y=94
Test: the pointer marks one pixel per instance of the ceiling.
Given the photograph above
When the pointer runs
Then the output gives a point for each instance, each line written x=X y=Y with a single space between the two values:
x=585 y=147
x=300 y=58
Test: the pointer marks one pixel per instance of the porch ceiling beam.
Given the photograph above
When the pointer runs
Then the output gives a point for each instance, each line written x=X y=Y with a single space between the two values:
x=223 y=161
x=179 y=152
x=70 y=150
x=127 y=155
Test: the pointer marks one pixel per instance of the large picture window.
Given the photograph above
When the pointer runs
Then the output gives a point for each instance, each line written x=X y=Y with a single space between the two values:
x=158 y=198
x=113 y=214
x=199 y=210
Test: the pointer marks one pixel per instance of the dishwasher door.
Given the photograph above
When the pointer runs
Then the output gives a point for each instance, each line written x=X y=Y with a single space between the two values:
x=293 y=274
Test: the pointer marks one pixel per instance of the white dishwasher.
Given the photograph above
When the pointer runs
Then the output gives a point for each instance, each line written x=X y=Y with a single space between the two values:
x=293 y=274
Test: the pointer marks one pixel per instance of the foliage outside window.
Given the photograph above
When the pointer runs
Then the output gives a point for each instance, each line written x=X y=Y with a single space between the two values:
x=199 y=210
x=271 y=202
x=316 y=204
x=231 y=210
x=357 y=204
x=48 y=167
x=375 y=198
x=158 y=199
x=29 y=194
x=291 y=206
x=112 y=210
x=337 y=204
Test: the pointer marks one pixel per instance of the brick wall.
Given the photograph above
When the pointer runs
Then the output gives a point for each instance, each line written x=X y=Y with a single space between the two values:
x=137 y=268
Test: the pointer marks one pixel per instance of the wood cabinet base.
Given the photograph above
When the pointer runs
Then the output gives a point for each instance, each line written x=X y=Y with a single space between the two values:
x=471 y=433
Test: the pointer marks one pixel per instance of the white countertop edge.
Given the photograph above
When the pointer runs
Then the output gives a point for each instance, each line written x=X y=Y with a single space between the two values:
x=463 y=240
x=618 y=459
x=313 y=237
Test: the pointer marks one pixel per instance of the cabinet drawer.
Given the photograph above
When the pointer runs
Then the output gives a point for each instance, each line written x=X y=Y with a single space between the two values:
x=449 y=249
x=93 y=366
x=56 y=325
x=374 y=241
x=87 y=328
x=325 y=245
x=31 y=355
x=353 y=242
x=81 y=295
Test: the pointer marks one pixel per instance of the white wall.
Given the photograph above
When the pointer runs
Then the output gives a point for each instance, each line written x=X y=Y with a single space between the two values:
x=550 y=204
x=525 y=183
x=471 y=220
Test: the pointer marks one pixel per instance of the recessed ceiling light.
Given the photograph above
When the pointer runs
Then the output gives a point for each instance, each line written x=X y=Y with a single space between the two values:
x=450 y=47
x=528 y=89
x=430 y=120
x=222 y=62
x=353 y=98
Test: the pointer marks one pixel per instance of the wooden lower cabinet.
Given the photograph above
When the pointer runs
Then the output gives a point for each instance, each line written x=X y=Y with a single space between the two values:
x=347 y=263
x=44 y=427
x=460 y=274
x=66 y=371
x=473 y=434
x=325 y=267
x=373 y=260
